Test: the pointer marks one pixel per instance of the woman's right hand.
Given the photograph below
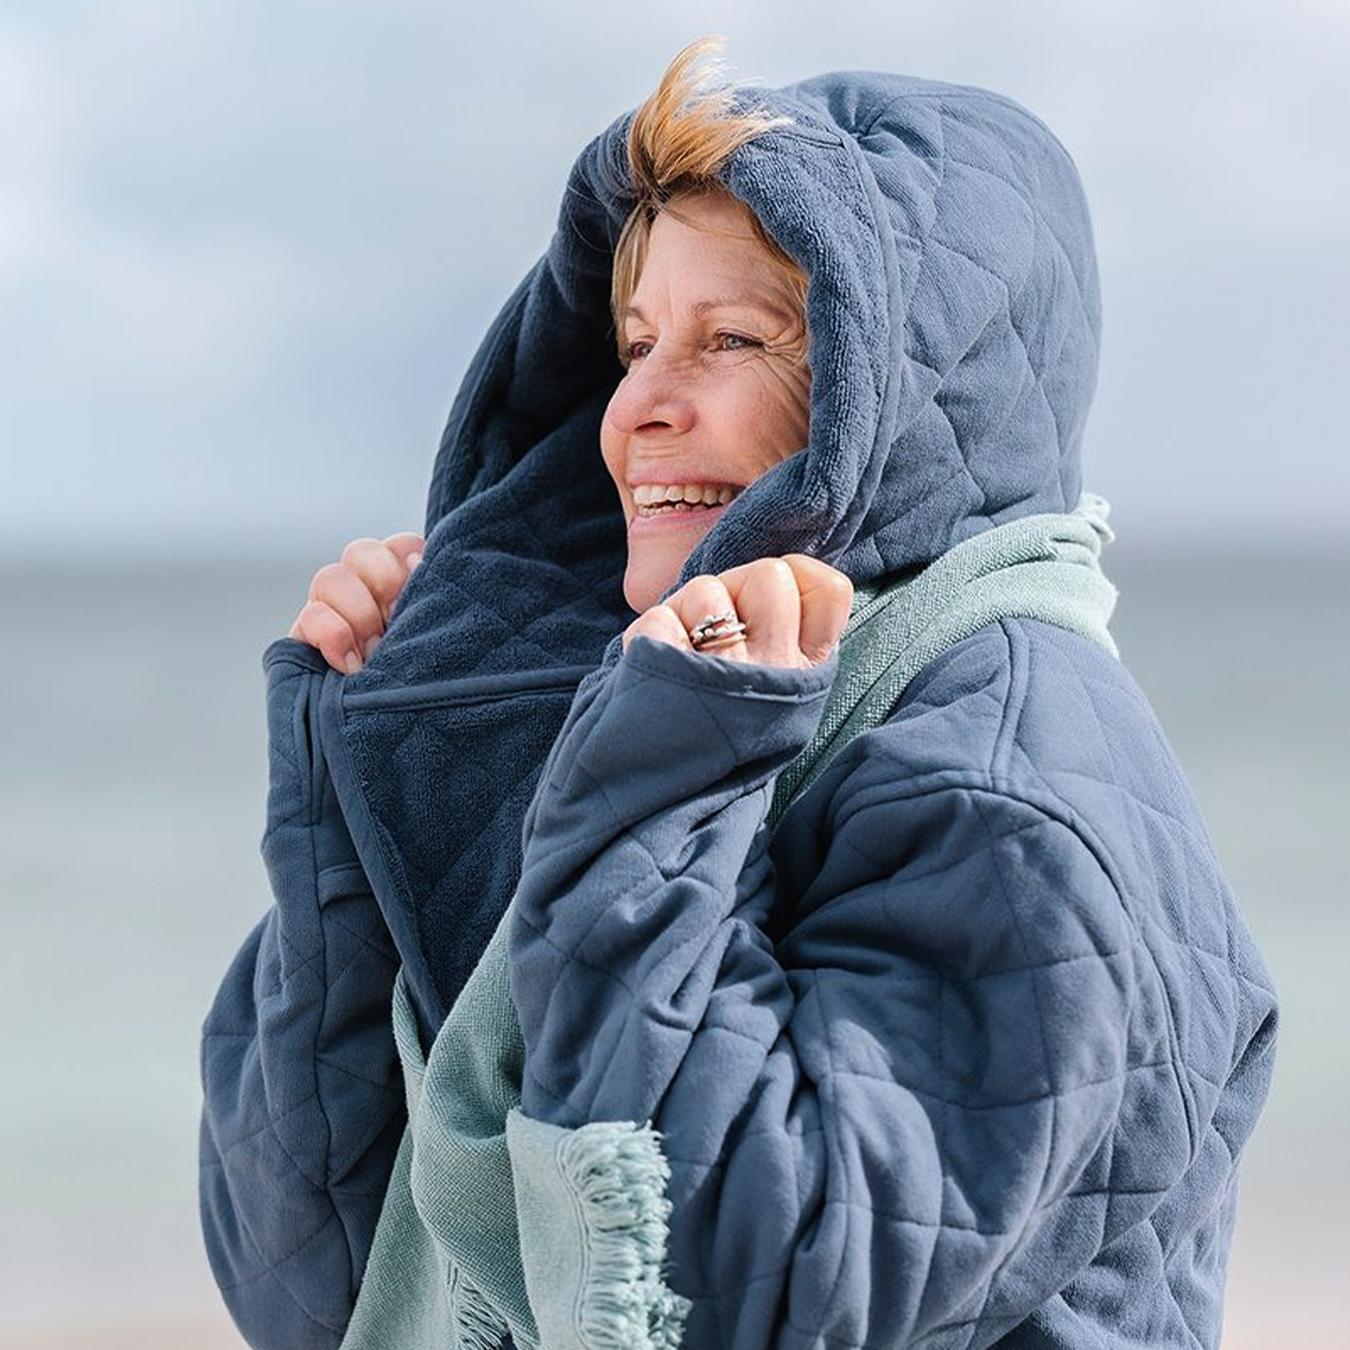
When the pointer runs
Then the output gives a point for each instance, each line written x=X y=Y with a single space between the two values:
x=350 y=601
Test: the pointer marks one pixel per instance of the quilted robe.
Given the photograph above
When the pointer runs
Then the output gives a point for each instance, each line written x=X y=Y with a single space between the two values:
x=967 y=1052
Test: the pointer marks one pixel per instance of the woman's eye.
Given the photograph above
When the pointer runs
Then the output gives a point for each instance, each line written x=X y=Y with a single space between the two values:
x=732 y=342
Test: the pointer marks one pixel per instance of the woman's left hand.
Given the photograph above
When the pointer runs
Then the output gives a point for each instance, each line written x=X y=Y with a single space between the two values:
x=794 y=610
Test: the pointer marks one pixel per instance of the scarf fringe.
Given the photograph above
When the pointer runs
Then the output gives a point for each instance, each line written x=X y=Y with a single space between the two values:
x=618 y=1175
x=477 y=1324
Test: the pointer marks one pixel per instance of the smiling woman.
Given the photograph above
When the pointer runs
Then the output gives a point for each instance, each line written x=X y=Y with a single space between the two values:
x=833 y=955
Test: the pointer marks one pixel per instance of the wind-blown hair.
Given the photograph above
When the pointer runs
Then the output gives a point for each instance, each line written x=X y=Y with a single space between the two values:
x=679 y=139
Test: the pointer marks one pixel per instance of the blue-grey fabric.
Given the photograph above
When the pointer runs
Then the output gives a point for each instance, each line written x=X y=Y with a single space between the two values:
x=558 y=1234
x=971 y=1049
x=1035 y=567
x=967 y=1053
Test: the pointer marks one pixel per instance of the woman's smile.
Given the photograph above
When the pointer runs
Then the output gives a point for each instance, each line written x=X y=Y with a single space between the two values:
x=692 y=507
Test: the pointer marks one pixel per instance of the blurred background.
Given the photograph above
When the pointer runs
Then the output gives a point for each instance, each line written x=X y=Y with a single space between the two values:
x=246 y=253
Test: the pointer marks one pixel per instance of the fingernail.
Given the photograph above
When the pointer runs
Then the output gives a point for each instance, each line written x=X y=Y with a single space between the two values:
x=370 y=646
x=353 y=663
x=413 y=560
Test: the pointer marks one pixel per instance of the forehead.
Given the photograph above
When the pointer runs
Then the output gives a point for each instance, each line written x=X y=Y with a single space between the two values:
x=710 y=260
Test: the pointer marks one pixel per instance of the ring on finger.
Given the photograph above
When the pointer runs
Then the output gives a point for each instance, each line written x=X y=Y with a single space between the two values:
x=716 y=630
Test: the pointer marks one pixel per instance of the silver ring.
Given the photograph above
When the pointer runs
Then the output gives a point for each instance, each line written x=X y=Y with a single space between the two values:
x=716 y=630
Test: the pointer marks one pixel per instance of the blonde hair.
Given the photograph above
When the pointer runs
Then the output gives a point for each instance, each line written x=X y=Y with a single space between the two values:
x=679 y=139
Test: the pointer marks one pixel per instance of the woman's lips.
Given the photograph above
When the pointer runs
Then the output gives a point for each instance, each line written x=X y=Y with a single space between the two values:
x=678 y=519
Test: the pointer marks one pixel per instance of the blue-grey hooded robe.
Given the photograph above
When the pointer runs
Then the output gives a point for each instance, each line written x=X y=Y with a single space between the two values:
x=971 y=1048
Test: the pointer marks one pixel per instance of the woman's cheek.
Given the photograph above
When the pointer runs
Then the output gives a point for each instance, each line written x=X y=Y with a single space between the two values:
x=783 y=408
x=611 y=452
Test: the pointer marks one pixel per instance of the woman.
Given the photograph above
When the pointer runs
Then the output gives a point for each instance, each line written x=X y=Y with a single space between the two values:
x=834 y=953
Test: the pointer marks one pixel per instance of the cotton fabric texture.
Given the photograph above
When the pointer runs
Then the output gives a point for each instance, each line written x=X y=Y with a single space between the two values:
x=576 y=1262
x=965 y=1052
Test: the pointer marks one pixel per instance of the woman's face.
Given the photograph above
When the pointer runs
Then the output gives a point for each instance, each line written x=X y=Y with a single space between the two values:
x=713 y=394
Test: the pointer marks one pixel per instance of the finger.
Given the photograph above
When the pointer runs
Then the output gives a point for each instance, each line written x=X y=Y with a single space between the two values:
x=659 y=623
x=826 y=601
x=323 y=627
x=764 y=593
x=407 y=547
x=338 y=586
x=382 y=571
x=695 y=601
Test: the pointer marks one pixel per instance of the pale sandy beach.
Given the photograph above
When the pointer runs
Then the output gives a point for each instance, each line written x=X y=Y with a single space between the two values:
x=188 y=1333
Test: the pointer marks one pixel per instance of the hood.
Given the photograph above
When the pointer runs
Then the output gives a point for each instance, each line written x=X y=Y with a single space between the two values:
x=953 y=317
x=953 y=323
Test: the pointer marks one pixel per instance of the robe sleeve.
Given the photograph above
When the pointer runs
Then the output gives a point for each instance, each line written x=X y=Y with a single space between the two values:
x=881 y=1110
x=303 y=1098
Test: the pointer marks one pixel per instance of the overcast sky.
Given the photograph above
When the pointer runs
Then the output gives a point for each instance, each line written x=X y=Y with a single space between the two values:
x=246 y=250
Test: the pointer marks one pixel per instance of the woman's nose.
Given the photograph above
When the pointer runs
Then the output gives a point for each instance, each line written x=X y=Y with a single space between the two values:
x=655 y=395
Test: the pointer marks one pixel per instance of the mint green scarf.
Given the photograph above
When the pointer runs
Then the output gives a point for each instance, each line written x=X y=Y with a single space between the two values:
x=493 y=1222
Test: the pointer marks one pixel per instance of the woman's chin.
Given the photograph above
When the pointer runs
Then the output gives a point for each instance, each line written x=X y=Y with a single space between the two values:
x=656 y=555
x=642 y=589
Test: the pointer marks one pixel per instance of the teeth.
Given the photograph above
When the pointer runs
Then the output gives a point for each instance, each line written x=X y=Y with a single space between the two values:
x=691 y=494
